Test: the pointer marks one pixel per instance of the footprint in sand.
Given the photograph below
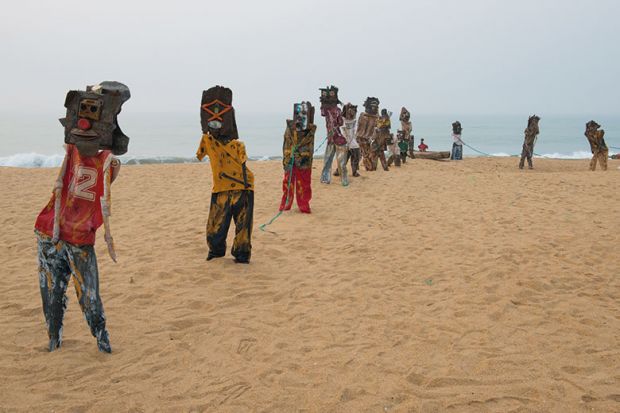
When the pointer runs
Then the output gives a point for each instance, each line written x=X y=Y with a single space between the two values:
x=245 y=344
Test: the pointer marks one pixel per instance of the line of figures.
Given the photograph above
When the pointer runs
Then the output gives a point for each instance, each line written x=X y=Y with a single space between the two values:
x=369 y=137
x=81 y=197
x=350 y=140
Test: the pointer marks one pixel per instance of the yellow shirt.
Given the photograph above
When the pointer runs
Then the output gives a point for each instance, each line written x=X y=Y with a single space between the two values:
x=227 y=164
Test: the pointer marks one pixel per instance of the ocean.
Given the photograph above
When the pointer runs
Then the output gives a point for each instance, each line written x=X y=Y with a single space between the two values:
x=36 y=141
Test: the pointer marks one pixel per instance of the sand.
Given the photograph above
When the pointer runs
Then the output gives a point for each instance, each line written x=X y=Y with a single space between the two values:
x=437 y=287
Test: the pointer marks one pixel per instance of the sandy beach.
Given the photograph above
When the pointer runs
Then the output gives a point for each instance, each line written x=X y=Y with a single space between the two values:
x=436 y=287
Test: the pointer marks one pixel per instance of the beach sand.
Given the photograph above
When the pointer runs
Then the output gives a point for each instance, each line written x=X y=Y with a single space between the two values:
x=437 y=287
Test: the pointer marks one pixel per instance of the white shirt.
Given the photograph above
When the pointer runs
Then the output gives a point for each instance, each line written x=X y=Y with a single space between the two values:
x=457 y=139
x=349 y=133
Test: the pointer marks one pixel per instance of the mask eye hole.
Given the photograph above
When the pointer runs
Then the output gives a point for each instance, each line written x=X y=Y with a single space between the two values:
x=90 y=108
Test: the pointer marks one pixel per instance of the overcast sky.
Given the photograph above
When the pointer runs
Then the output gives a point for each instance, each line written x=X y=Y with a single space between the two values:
x=435 y=56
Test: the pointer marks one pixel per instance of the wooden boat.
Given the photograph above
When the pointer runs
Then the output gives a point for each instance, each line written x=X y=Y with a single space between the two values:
x=431 y=155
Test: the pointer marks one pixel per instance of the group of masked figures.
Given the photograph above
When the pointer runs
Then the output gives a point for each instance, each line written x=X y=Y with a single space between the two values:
x=593 y=133
x=81 y=199
x=349 y=141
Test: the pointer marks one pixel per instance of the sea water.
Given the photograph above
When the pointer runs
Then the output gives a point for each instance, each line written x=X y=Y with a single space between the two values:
x=36 y=141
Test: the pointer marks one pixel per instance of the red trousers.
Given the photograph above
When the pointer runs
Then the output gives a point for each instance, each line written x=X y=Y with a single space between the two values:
x=300 y=184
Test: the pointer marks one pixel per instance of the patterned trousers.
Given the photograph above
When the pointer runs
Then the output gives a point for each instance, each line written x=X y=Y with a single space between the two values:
x=58 y=263
x=226 y=206
x=354 y=156
x=457 y=152
x=600 y=156
x=378 y=155
x=300 y=185
x=526 y=153
x=340 y=152
x=366 y=153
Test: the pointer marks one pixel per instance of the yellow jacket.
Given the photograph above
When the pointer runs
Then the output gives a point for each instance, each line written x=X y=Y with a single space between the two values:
x=228 y=164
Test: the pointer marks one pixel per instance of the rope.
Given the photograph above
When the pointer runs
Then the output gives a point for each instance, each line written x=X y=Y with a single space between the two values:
x=319 y=147
x=474 y=149
x=288 y=184
x=614 y=147
x=494 y=156
x=288 y=189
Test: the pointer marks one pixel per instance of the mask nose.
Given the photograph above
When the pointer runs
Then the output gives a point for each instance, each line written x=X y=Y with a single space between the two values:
x=83 y=124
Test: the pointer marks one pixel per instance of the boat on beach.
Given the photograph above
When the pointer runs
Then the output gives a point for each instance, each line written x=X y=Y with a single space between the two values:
x=434 y=155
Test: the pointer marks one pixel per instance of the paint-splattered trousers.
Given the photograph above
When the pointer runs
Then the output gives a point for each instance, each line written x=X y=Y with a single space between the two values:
x=57 y=264
x=457 y=152
x=378 y=155
x=600 y=156
x=299 y=183
x=365 y=152
x=226 y=206
x=394 y=154
x=411 y=148
x=354 y=156
x=526 y=153
x=340 y=152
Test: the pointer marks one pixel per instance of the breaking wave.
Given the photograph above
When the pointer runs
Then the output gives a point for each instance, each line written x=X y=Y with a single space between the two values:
x=574 y=155
x=555 y=155
x=35 y=160
x=31 y=160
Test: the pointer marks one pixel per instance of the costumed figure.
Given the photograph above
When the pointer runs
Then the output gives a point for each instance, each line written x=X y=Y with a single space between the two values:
x=80 y=204
x=350 y=122
x=457 y=144
x=232 y=197
x=600 y=152
x=406 y=129
x=366 y=125
x=380 y=140
x=405 y=138
x=336 y=142
x=297 y=151
x=393 y=150
x=531 y=133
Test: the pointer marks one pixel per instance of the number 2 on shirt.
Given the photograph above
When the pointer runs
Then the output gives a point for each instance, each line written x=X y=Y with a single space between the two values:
x=83 y=180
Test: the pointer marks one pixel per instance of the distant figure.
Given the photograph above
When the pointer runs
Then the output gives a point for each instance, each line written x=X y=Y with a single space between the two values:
x=297 y=151
x=403 y=145
x=597 y=145
x=531 y=133
x=400 y=145
x=422 y=147
x=457 y=145
x=350 y=122
x=380 y=140
x=366 y=124
x=336 y=142
x=405 y=137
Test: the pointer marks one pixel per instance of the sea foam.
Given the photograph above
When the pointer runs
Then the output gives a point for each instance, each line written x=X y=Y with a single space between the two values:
x=31 y=160
x=35 y=160
x=574 y=155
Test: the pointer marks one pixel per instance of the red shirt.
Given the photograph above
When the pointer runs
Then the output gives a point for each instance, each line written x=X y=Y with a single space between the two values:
x=422 y=147
x=80 y=205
